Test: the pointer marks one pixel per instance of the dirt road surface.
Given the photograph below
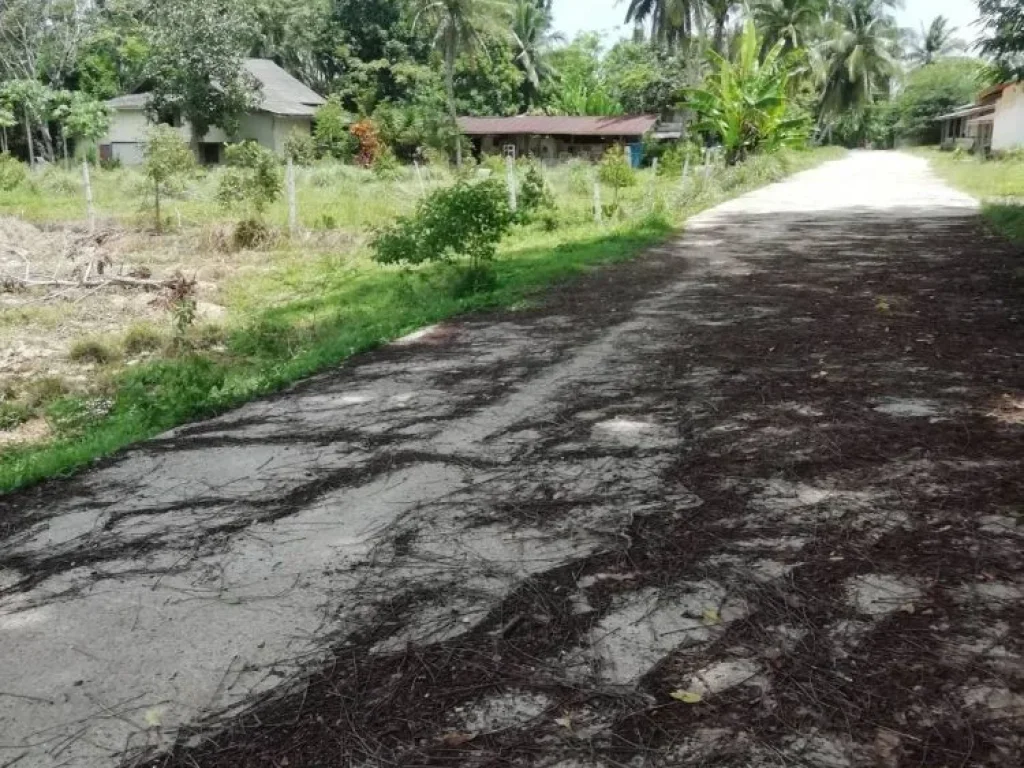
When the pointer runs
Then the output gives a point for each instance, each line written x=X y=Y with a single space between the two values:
x=773 y=468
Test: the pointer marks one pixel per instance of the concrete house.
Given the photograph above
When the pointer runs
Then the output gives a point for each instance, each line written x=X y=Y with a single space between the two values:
x=553 y=138
x=994 y=123
x=286 y=105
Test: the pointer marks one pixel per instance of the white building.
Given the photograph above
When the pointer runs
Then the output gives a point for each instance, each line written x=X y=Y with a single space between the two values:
x=994 y=123
x=286 y=106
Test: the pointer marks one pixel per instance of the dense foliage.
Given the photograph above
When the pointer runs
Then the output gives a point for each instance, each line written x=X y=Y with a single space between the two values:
x=409 y=67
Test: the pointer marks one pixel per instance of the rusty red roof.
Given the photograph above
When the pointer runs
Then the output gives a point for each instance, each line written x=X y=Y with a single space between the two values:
x=550 y=125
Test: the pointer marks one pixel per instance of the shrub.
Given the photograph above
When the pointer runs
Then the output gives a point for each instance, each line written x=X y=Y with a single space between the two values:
x=616 y=171
x=370 y=145
x=386 y=166
x=13 y=414
x=91 y=351
x=168 y=157
x=142 y=337
x=535 y=198
x=579 y=177
x=60 y=181
x=45 y=390
x=463 y=220
x=673 y=159
x=252 y=179
x=331 y=134
x=251 y=234
x=12 y=173
x=300 y=148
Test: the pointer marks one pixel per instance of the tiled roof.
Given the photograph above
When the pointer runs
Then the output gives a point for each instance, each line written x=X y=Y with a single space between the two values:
x=282 y=93
x=547 y=125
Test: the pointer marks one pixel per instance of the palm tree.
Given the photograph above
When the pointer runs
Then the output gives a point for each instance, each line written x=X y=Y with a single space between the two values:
x=459 y=27
x=719 y=11
x=533 y=40
x=934 y=42
x=791 y=21
x=671 y=20
x=858 y=55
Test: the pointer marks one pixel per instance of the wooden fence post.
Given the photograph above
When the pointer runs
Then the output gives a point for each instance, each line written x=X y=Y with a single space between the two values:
x=293 y=205
x=419 y=176
x=510 y=178
x=90 y=208
x=597 y=201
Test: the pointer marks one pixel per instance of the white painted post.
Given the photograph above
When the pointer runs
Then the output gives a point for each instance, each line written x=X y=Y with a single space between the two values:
x=510 y=178
x=654 y=166
x=89 y=207
x=293 y=205
x=686 y=169
x=419 y=176
x=597 y=201
x=707 y=164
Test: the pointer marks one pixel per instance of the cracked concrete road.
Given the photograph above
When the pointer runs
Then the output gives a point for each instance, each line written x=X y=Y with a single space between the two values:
x=182 y=581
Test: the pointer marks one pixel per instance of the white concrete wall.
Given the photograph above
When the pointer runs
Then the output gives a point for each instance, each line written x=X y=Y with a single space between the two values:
x=1008 y=131
x=128 y=128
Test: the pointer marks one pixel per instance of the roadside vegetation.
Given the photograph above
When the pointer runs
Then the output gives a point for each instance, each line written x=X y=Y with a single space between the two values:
x=998 y=182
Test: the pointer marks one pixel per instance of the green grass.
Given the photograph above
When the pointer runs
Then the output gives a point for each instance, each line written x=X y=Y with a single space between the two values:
x=312 y=313
x=999 y=184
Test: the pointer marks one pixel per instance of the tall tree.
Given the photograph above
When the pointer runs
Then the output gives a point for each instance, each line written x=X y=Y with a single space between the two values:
x=933 y=42
x=459 y=26
x=533 y=40
x=1003 y=40
x=794 y=22
x=671 y=20
x=196 y=64
x=859 y=55
x=718 y=11
x=40 y=39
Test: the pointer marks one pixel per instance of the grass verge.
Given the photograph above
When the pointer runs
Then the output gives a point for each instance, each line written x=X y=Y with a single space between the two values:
x=998 y=183
x=339 y=309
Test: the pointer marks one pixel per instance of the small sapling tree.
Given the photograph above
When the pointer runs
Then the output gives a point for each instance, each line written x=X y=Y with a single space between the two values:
x=252 y=181
x=168 y=157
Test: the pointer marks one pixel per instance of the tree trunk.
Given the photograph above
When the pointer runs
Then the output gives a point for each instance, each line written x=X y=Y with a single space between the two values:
x=48 y=151
x=64 y=142
x=3 y=139
x=720 y=22
x=449 y=81
x=28 y=140
x=90 y=208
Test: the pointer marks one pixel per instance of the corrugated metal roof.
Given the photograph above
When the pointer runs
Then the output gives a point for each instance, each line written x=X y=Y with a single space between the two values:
x=547 y=125
x=282 y=93
x=967 y=111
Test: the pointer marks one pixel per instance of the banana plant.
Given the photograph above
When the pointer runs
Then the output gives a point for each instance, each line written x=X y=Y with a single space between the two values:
x=745 y=101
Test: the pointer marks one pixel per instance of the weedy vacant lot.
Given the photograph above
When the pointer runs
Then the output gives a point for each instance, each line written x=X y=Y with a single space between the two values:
x=94 y=355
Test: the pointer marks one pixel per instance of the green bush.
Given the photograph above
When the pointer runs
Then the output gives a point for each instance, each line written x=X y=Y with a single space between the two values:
x=616 y=171
x=252 y=179
x=12 y=414
x=91 y=351
x=300 y=148
x=251 y=234
x=580 y=177
x=12 y=173
x=386 y=166
x=535 y=198
x=142 y=337
x=70 y=416
x=463 y=220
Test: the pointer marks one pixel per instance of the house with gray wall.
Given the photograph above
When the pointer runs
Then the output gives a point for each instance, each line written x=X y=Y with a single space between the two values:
x=286 y=106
